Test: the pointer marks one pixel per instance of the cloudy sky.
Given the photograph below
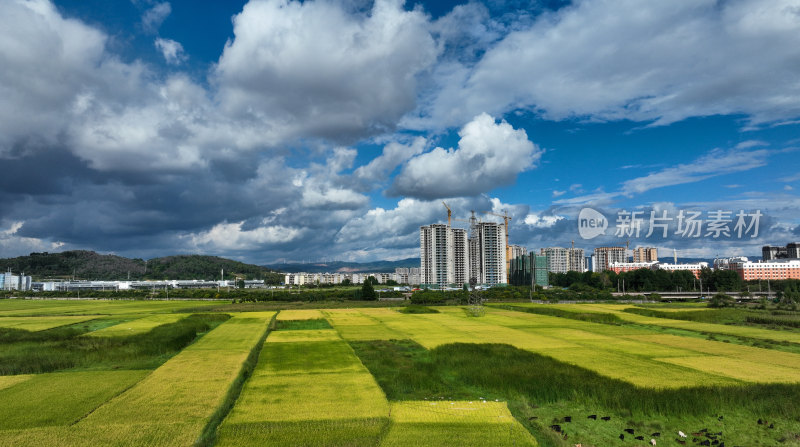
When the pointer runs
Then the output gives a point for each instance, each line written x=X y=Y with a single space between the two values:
x=272 y=130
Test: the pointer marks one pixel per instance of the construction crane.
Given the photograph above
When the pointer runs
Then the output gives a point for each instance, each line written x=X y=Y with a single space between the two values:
x=449 y=212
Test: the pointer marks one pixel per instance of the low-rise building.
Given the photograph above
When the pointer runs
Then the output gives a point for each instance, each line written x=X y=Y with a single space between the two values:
x=769 y=270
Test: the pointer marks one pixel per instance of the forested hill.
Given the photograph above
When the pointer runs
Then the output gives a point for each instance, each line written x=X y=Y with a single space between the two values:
x=94 y=266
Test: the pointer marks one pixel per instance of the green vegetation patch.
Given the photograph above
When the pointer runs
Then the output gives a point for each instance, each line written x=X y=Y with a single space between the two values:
x=294 y=325
x=418 y=309
x=60 y=398
x=307 y=357
x=594 y=317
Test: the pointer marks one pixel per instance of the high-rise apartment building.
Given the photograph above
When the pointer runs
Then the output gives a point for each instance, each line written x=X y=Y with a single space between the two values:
x=557 y=259
x=563 y=260
x=487 y=254
x=605 y=256
x=645 y=254
x=444 y=255
x=459 y=253
x=529 y=270
x=516 y=251
x=576 y=260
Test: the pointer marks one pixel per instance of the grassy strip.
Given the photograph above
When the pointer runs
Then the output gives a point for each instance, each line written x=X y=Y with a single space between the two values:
x=717 y=316
x=418 y=309
x=299 y=325
x=23 y=352
x=209 y=434
x=773 y=321
x=593 y=317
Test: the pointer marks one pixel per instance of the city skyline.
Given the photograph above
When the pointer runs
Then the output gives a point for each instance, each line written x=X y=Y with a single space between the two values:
x=271 y=130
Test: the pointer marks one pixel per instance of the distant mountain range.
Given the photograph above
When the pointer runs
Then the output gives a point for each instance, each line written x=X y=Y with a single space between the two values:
x=89 y=265
x=346 y=267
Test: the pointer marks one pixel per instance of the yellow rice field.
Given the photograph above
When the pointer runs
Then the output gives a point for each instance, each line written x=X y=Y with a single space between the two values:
x=309 y=388
x=41 y=323
x=448 y=423
x=138 y=326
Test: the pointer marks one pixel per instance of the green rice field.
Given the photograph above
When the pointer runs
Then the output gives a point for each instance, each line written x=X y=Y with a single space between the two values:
x=179 y=373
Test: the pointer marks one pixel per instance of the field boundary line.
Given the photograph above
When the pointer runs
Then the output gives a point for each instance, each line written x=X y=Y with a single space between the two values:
x=110 y=399
x=209 y=434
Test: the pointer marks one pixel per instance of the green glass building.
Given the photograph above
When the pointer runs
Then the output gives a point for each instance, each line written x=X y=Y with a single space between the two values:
x=524 y=268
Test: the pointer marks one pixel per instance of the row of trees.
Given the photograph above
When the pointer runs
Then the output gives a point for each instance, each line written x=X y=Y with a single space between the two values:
x=647 y=280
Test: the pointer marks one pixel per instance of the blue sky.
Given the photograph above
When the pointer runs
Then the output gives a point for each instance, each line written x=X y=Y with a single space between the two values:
x=269 y=130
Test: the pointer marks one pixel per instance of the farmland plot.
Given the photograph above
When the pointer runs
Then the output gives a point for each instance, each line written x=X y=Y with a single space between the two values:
x=448 y=423
x=18 y=307
x=60 y=398
x=616 y=309
x=170 y=406
x=308 y=388
x=41 y=323
x=137 y=326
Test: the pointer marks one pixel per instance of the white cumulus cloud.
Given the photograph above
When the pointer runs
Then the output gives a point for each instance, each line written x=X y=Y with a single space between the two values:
x=489 y=154
x=314 y=68
x=640 y=60
x=171 y=50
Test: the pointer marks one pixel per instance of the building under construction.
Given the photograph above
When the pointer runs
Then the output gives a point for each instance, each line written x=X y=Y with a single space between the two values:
x=451 y=256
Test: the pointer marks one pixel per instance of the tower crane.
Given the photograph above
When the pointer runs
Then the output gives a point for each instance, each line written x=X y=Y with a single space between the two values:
x=449 y=212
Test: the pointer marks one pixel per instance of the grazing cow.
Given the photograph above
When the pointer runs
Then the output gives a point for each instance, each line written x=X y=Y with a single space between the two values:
x=681 y=434
x=706 y=442
x=606 y=418
x=621 y=437
x=592 y=416
x=656 y=434
x=681 y=442
x=556 y=428
x=653 y=442
x=567 y=418
x=715 y=442
x=771 y=425
x=720 y=418
x=565 y=436
x=639 y=438
x=629 y=430
x=760 y=422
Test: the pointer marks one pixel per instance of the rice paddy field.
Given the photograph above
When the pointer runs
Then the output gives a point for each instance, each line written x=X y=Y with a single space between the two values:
x=177 y=373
